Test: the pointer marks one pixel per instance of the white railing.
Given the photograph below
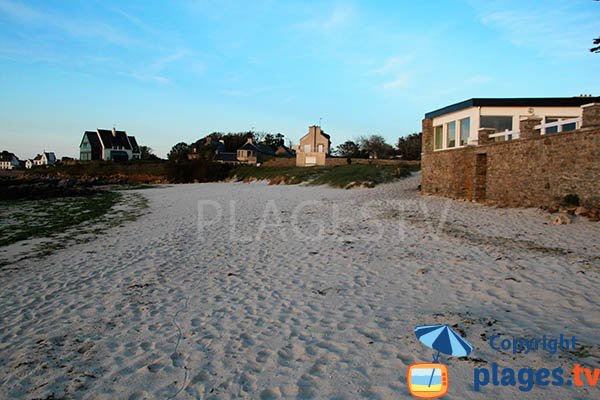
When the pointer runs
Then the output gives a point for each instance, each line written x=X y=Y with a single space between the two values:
x=507 y=135
x=560 y=124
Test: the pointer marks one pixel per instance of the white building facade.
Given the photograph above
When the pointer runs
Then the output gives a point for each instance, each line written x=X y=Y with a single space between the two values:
x=458 y=125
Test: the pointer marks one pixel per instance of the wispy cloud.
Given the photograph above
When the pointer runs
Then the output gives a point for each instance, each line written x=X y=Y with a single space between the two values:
x=395 y=71
x=155 y=70
x=393 y=64
x=400 y=81
x=550 y=28
x=340 y=16
x=19 y=11
x=77 y=28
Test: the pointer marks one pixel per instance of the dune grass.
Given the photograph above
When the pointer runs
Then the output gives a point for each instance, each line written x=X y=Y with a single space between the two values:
x=342 y=176
x=41 y=218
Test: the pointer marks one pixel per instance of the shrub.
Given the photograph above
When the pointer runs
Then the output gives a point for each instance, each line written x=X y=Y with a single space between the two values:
x=196 y=171
x=571 y=200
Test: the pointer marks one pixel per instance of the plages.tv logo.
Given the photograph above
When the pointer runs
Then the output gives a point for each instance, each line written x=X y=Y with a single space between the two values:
x=430 y=380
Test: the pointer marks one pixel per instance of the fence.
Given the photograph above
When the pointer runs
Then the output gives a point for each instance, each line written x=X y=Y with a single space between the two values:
x=562 y=125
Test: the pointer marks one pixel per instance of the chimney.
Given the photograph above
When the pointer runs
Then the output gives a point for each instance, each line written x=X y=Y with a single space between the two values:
x=249 y=140
x=114 y=131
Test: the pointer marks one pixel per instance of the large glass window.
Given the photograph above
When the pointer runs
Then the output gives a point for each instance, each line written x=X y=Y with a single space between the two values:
x=437 y=137
x=499 y=123
x=565 y=128
x=465 y=127
x=451 y=132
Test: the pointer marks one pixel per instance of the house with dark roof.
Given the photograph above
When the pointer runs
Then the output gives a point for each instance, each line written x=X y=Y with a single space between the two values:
x=207 y=147
x=8 y=160
x=249 y=153
x=108 y=145
x=314 y=148
x=254 y=153
x=285 y=152
x=46 y=158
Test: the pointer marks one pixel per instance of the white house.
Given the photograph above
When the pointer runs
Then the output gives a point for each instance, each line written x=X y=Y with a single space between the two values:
x=46 y=158
x=8 y=160
x=103 y=144
x=458 y=125
x=28 y=164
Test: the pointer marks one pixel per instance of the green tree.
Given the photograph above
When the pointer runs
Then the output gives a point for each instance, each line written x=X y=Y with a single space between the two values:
x=349 y=149
x=233 y=141
x=179 y=152
x=596 y=49
x=375 y=146
x=146 y=153
x=274 y=141
x=409 y=147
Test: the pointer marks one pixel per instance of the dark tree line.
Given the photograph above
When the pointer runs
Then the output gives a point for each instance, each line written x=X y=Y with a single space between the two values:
x=231 y=141
x=375 y=146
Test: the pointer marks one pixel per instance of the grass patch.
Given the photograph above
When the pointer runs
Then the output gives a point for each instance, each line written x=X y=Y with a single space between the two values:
x=42 y=218
x=276 y=175
x=342 y=176
x=134 y=186
x=360 y=175
x=106 y=172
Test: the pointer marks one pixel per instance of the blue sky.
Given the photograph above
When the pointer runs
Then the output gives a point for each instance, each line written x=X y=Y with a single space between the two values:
x=176 y=71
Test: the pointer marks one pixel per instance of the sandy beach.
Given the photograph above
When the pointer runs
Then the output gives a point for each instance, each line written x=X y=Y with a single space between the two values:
x=233 y=290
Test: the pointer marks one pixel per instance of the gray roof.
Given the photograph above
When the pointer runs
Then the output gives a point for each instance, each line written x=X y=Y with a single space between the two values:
x=134 y=146
x=514 y=102
x=119 y=139
x=258 y=147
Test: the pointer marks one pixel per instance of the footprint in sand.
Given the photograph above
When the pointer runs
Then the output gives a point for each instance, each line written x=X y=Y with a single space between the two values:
x=178 y=359
x=263 y=356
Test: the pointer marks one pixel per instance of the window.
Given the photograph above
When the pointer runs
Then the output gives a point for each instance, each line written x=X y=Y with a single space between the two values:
x=499 y=123
x=307 y=148
x=320 y=148
x=451 y=133
x=437 y=137
x=465 y=127
x=565 y=128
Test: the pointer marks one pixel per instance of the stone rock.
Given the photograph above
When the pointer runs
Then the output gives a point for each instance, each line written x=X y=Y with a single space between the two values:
x=567 y=210
x=594 y=215
x=581 y=212
x=561 y=219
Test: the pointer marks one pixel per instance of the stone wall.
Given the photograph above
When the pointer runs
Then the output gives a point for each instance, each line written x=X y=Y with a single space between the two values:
x=281 y=162
x=532 y=172
x=334 y=161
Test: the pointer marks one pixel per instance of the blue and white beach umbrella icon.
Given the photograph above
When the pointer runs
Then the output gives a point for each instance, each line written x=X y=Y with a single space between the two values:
x=443 y=339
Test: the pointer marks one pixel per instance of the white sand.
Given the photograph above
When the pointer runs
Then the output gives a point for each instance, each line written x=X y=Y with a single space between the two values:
x=160 y=310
